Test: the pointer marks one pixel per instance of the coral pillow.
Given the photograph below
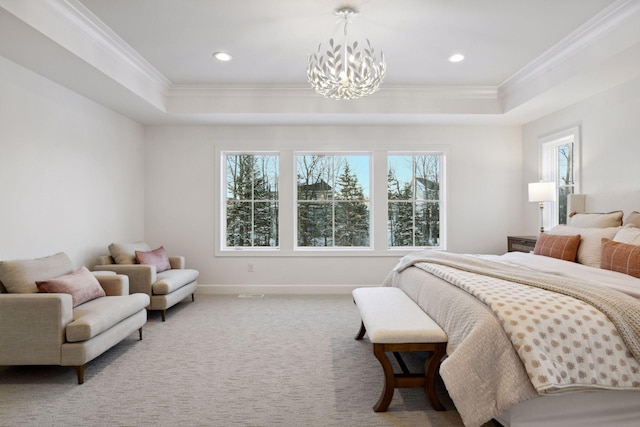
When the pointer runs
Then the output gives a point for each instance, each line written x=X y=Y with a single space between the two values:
x=561 y=247
x=620 y=257
x=157 y=257
x=81 y=284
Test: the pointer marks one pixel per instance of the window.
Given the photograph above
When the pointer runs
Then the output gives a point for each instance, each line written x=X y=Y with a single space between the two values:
x=288 y=202
x=413 y=198
x=559 y=164
x=333 y=203
x=252 y=200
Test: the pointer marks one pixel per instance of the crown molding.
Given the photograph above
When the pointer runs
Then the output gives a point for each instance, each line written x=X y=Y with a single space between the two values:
x=84 y=21
x=76 y=14
x=69 y=24
x=302 y=99
x=587 y=34
x=456 y=92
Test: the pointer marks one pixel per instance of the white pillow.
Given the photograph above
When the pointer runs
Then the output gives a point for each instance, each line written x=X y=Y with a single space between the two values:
x=596 y=220
x=125 y=253
x=590 y=242
x=633 y=219
x=628 y=234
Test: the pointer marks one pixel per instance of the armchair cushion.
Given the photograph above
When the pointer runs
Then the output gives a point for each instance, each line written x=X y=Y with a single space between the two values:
x=125 y=253
x=99 y=315
x=157 y=257
x=170 y=280
x=20 y=276
x=81 y=284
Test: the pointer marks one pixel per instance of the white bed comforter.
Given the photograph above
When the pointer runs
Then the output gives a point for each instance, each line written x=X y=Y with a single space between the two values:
x=484 y=373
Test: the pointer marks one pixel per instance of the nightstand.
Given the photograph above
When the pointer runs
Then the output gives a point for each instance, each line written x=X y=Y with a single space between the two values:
x=521 y=243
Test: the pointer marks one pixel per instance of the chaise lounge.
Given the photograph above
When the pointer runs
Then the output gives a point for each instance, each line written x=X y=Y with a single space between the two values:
x=75 y=318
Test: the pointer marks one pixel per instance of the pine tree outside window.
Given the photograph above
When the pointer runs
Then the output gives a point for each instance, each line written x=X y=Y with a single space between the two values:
x=252 y=200
x=333 y=203
x=414 y=199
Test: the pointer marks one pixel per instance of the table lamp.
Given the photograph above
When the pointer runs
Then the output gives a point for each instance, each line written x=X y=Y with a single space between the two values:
x=542 y=192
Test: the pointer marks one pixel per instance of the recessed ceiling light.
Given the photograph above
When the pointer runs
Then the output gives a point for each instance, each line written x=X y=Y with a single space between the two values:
x=223 y=56
x=456 y=57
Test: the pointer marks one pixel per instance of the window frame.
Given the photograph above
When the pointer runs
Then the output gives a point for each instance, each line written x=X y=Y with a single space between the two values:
x=549 y=164
x=287 y=182
x=370 y=201
x=223 y=207
x=414 y=201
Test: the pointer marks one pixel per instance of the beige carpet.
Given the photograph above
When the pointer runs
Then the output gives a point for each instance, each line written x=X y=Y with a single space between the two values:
x=225 y=361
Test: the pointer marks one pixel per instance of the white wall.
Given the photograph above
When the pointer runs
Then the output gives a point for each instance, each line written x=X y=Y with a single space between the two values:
x=484 y=188
x=610 y=144
x=71 y=171
x=75 y=176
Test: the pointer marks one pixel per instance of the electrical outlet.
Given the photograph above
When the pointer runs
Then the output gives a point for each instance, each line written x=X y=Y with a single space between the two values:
x=250 y=268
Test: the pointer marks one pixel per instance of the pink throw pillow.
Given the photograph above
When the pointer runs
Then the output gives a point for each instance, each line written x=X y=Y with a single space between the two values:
x=157 y=257
x=81 y=284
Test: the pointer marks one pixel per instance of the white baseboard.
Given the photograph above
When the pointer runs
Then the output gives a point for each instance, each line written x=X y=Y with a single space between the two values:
x=278 y=289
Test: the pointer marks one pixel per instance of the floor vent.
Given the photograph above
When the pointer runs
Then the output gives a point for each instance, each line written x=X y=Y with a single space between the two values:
x=250 y=295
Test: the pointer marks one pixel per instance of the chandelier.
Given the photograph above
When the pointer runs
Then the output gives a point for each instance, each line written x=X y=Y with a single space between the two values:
x=345 y=71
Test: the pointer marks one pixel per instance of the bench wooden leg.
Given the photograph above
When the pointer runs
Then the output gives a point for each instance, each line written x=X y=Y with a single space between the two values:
x=389 y=379
x=430 y=371
x=403 y=366
x=361 y=332
x=407 y=379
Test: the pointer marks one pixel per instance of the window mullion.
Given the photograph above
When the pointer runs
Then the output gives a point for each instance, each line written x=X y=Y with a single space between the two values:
x=253 y=203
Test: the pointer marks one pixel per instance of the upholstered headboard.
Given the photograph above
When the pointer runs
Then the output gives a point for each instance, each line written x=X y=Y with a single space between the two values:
x=604 y=202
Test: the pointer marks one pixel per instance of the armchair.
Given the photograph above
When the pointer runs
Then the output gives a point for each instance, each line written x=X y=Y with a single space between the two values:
x=56 y=328
x=164 y=287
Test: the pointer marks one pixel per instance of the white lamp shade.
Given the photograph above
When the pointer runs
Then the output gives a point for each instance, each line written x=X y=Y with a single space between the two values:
x=542 y=191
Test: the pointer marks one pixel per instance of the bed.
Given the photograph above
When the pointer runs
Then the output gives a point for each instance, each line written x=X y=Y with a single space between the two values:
x=535 y=339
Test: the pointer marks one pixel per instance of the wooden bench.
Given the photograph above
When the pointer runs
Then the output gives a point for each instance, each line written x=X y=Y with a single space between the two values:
x=394 y=323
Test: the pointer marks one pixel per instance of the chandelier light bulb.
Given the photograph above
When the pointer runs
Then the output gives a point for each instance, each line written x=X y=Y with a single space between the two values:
x=345 y=71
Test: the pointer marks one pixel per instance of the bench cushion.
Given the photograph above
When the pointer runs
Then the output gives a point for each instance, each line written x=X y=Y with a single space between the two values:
x=391 y=317
x=98 y=315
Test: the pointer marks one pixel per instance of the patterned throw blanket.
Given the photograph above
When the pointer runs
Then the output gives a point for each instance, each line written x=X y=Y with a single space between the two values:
x=570 y=335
